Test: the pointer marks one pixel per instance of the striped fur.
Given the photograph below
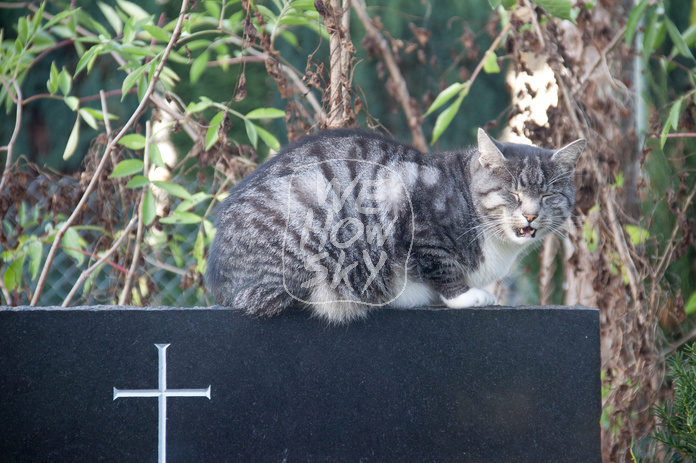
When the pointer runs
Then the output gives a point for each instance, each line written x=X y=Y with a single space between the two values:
x=345 y=221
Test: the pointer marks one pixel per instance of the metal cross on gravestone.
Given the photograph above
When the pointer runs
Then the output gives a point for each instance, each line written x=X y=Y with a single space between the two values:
x=162 y=393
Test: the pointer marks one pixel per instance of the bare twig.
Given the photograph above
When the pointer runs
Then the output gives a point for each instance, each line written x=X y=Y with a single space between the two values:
x=15 y=133
x=125 y=293
x=93 y=267
x=412 y=118
x=676 y=135
x=112 y=144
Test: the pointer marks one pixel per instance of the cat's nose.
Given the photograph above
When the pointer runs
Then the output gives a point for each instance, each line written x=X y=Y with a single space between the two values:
x=530 y=217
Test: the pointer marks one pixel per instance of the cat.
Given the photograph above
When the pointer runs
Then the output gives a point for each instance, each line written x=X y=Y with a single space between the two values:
x=345 y=221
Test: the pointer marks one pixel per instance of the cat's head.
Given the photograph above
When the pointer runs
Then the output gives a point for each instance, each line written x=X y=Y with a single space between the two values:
x=524 y=192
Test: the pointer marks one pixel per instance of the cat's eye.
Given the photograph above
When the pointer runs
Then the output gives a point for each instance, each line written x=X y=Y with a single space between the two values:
x=545 y=197
x=517 y=197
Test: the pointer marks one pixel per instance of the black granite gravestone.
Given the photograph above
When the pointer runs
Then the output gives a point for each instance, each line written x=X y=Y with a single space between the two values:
x=212 y=385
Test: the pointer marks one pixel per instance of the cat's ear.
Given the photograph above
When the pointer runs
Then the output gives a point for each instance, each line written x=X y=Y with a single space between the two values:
x=567 y=157
x=489 y=154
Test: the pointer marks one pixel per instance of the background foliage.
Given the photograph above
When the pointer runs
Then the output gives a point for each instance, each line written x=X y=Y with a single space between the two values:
x=126 y=123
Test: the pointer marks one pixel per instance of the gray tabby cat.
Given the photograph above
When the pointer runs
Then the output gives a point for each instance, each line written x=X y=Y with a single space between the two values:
x=344 y=221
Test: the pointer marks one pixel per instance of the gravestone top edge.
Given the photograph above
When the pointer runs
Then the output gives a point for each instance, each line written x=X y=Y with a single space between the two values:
x=106 y=308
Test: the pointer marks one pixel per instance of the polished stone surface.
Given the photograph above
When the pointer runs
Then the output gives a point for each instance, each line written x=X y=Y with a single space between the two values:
x=474 y=385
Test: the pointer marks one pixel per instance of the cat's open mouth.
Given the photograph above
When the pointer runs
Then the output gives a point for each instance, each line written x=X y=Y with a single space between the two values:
x=527 y=231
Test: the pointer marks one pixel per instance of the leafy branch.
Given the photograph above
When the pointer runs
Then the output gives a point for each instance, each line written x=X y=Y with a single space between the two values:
x=111 y=145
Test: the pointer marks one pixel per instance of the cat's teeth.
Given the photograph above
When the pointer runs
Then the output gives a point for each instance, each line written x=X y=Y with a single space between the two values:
x=526 y=231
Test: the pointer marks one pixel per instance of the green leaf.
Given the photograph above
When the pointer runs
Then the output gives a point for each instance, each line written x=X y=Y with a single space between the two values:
x=35 y=252
x=633 y=20
x=88 y=118
x=677 y=39
x=52 y=84
x=444 y=96
x=65 y=81
x=149 y=207
x=156 y=156
x=97 y=114
x=200 y=106
x=690 y=306
x=672 y=121
x=188 y=204
x=132 y=78
x=23 y=30
x=38 y=16
x=138 y=181
x=637 y=235
x=134 y=141
x=445 y=117
x=267 y=13
x=133 y=10
x=87 y=59
x=268 y=138
x=13 y=274
x=71 y=240
x=199 y=252
x=59 y=17
x=265 y=113
x=198 y=66
x=211 y=136
x=556 y=8
x=158 y=33
x=73 y=102
x=179 y=217
x=490 y=66
x=127 y=167
x=252 y=133
x=591 y=236
x=689 y=35
x=494 y=3
x=173 y=189
x=73 y=140
x=654 y=35
x=112 y=17
x=212 y=8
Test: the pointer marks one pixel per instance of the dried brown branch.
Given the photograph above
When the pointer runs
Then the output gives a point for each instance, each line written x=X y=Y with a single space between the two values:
x=413 y=119
x=337 y=22
x=112 y=144
x=86 y=273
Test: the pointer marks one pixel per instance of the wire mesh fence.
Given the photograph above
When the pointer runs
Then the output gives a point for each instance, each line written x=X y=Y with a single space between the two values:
x=33 y=206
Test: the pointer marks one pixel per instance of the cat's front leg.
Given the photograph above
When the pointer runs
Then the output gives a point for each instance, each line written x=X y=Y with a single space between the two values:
x=444 y=275
x=473 y=297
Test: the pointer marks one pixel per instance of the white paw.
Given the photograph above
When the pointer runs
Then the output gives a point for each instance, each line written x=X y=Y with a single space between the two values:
x=473 y=298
